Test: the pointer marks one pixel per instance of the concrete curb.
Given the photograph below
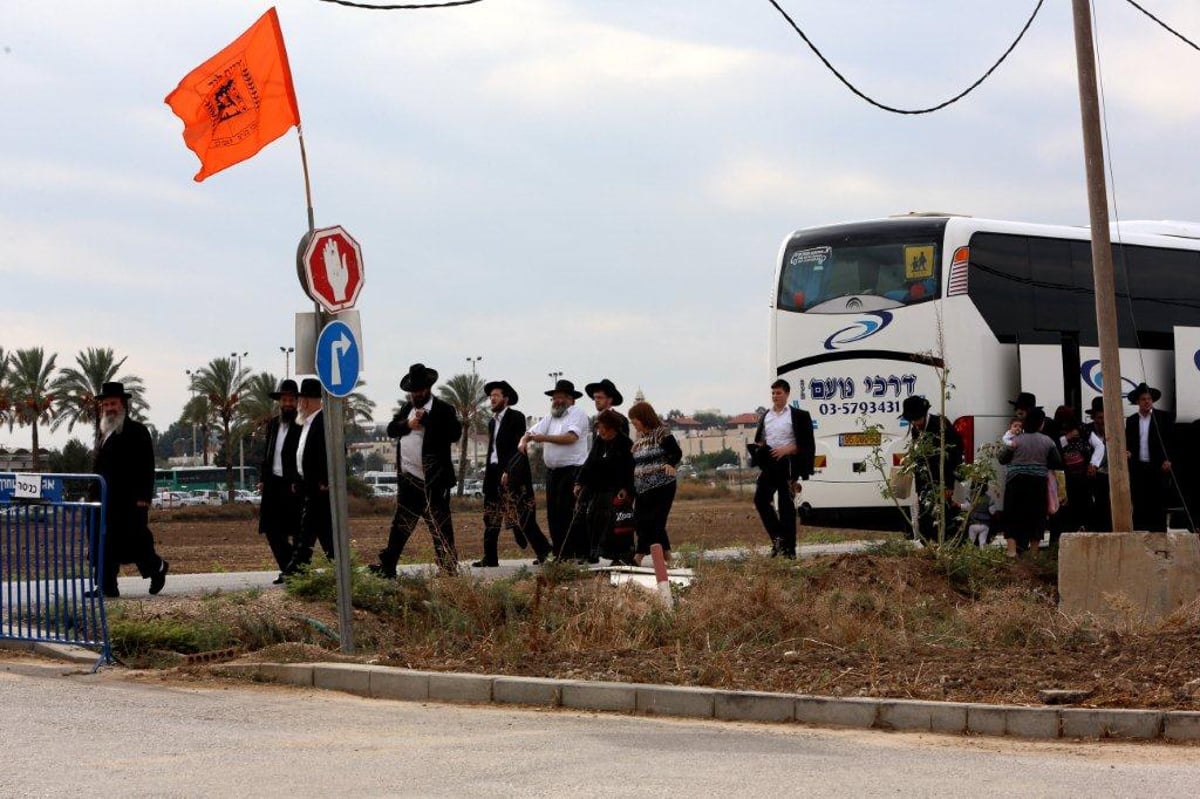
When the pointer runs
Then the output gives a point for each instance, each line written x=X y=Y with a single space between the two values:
x=958 y=718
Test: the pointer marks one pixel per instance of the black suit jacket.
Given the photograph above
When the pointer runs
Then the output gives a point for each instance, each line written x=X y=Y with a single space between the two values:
x=442 y=429
x=512 y=428
x=1162 y=427
x=277 y=490
x=312 y=460
x=126 y=462
x=801 y=464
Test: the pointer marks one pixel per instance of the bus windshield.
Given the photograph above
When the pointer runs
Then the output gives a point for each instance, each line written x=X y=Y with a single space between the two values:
x=837 y=270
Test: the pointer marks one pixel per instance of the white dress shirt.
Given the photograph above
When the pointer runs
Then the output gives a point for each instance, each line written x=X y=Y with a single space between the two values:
x=558 y=456
x=412 y=445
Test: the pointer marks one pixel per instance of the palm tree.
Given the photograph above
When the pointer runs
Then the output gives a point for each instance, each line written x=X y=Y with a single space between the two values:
x=358 y=409
x=256 y=408
x=465 y=393
x=5 y=404
x=32 y=400
x=198 y=413
x=223 y=384
x=75 y=390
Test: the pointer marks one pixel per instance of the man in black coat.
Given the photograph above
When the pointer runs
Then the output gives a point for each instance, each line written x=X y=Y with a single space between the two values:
x=925 y=449
x=312 y=475
x=784 y=448
x=125 y=460
x=426 y=428
x=1147 y=438
x=282 y=498
x=507 y=482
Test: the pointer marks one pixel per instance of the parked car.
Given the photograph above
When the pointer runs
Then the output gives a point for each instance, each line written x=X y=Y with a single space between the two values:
x=246 y=496
x=384 y=490
x=473 y=488
x=207 y=496
x=168 y=499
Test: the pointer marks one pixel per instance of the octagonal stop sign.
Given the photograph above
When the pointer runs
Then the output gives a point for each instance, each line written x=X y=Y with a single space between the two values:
x=330 y=268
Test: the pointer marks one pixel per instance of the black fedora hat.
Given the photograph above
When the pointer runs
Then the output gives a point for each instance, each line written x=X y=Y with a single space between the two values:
x=503 y=385
x=310 y=387
x=286 y=387
x=111 y=390
x=419 y=376
x=1024 y=400
x=1097 y=406
x=914 y=408
x=1142 y=388
x=564 y=387
x=607 y=387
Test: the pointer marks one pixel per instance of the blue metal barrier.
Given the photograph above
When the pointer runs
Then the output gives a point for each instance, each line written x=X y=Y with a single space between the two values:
x=51 y=545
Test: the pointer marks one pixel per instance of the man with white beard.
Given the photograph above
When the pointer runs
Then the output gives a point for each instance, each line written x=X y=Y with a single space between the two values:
x=565 y=435
x=125 y=460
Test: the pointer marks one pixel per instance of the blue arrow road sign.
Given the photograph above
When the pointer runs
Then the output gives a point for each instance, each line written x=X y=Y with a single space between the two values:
x=338 y=358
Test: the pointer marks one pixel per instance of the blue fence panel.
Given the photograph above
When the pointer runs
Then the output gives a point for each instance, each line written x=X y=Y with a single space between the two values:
x=51 y=546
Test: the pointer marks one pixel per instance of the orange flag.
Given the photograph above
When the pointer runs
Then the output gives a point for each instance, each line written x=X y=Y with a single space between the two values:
x=238 y=101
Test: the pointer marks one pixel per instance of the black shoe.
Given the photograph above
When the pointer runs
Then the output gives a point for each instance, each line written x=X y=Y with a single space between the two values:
x=379 y=570
x=280 y=580
x=484 y=564
x=96 y=593
x=157 y=581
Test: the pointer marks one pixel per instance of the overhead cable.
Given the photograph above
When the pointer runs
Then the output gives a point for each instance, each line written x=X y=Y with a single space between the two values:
x=893 y=109
x=401 y=6
x=1165 y=26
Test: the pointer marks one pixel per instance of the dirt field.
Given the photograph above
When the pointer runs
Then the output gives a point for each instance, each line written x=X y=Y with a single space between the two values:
x=204 y=539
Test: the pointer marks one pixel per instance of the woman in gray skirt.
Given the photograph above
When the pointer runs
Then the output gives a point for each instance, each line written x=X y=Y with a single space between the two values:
x=1029 y=455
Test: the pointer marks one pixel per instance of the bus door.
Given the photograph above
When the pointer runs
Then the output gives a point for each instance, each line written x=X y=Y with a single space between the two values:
x=1187 y=374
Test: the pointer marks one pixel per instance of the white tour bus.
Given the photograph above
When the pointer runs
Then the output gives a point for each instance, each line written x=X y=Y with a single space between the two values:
x=857 y=309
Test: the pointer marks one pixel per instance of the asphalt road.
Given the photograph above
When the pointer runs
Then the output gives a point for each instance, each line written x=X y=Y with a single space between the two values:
x=68 y=733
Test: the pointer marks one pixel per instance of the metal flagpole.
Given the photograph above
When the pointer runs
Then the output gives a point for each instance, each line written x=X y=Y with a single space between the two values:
x=335 y=454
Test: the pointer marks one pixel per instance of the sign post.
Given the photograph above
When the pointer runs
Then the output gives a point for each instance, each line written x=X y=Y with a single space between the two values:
x=330 y=269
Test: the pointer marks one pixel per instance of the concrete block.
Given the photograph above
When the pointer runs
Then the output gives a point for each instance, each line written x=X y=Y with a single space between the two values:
x=1119 y=578
x=527 y=691
x=911 y=714
x=1032 y=722
x=600 y=696
x=754 y=706
x=352 y=678
x=1103 y=723
x=472 y=688
x=1181 y=725
x=403 y=685
x=673 y=700
x=987 y=719
x=288 y=673
x=824 y=710
x=68 y=652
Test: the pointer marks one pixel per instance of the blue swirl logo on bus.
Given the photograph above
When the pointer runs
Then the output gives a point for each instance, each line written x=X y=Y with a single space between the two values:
x=1090 y=371
x=861 y=329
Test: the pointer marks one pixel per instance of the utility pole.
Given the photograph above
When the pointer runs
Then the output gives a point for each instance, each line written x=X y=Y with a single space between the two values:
x=287 y=360
x=1102 y=272
x=241 y=438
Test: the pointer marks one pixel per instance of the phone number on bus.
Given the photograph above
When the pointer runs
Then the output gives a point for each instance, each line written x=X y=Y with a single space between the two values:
x=858 y=408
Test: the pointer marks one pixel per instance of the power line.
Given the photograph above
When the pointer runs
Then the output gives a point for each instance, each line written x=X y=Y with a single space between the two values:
x=402 y=7
x=893 y=109
x=1165 y=26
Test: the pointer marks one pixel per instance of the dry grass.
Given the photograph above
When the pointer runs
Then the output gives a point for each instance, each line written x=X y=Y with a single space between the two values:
x=889 y=623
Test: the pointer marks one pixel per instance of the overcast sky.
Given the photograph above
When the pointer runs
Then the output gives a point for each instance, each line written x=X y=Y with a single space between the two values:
x=597 y=187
